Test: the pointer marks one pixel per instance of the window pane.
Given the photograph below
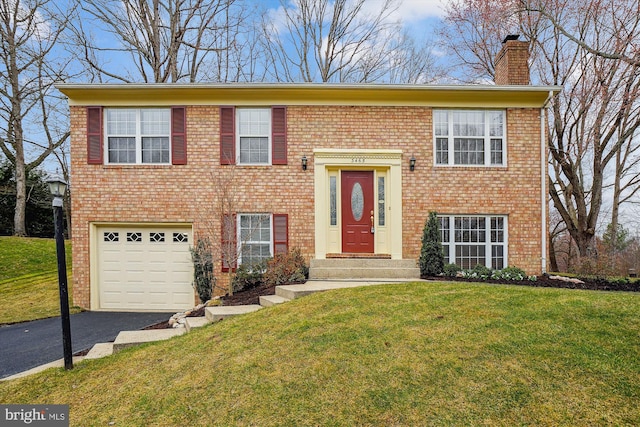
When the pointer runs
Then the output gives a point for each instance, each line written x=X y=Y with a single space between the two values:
x=497 y=257
x=496 y=123
x=468 y=256
x=496 y=151
x=122 y=150
x=444 y=229
x=468 y=123
x=155 y=121
x=333 y=200
x=440 y=122
x=121 y=122
x=254 y=150
x=381 y=202
x=497 y=229
x=253 y=121
x=155 y=150
x=468 y=151
x=442 y=151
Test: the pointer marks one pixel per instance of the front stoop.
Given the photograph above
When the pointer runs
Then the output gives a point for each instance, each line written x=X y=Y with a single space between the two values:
x=223 y=311
x=363 y=269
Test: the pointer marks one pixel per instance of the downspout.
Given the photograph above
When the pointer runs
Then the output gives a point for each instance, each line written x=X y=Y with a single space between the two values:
x=543 y=180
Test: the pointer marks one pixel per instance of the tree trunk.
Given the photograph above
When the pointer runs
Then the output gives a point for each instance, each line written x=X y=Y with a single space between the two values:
x=19 y=222
x=553 y=261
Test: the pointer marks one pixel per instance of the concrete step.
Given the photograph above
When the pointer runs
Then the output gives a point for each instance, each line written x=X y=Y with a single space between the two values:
x=130 y=338
x=271 y=300
x=195 y=322
x=101 y=349
x=296 y=291
x=363 y=268
x=221 y=312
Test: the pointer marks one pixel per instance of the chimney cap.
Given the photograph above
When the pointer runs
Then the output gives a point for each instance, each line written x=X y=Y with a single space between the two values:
x=511 y=37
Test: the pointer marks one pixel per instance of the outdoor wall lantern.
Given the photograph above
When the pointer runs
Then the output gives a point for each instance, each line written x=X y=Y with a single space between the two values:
x=304 y=163
x=57 y=187
x=412 y=163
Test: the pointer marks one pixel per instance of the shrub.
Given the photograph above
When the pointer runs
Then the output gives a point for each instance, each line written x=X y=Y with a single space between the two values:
x=451 y=270
x=286 y=268
x=509 y=273
x=203 y=277
x=478 y=272
x=248 y=277
x=431 y=257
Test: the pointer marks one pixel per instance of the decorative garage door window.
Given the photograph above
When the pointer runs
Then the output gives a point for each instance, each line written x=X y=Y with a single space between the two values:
x=180 y=237
x=134 y=237
x=110 y=236
x=156 y=237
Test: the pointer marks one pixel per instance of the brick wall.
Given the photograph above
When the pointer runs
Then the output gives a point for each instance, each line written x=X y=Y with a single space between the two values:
x=512 y=63
x=191 y=193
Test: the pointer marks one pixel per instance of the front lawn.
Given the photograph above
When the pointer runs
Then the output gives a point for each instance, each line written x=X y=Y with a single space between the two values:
x=404 y=354
x=29 y=279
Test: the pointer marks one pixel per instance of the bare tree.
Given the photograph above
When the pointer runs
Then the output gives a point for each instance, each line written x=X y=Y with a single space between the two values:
x=596 y=114
x=29 y=67
x=164 y=40
x=341 y=41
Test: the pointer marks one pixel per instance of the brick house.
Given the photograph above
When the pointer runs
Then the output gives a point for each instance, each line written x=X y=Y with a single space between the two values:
x=338 y=171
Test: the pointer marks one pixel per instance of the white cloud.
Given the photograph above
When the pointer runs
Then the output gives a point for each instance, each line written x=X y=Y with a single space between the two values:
x=416 y=10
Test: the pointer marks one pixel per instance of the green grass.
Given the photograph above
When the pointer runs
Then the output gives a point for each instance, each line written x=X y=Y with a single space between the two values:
x=393 y=355
x=29 y=279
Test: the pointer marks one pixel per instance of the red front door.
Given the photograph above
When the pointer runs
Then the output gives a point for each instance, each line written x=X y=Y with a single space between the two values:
x=357 y=212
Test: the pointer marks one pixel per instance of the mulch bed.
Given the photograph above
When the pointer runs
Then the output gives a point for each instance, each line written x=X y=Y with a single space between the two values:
x=250 y=296
x=545 y=281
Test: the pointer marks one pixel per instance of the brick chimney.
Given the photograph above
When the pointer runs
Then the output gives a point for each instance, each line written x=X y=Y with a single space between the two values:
x=512 y=62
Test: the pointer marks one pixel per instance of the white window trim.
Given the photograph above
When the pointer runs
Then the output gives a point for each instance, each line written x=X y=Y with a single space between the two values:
x=138 y=137
x=487 y=140
x=239 y=233
x=238 y=136
x=488 y=243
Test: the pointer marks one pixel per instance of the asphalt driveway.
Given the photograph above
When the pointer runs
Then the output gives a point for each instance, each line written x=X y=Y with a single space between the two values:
x=26 y=345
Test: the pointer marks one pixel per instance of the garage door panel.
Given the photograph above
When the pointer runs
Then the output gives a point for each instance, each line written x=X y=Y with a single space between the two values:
x=144 y=268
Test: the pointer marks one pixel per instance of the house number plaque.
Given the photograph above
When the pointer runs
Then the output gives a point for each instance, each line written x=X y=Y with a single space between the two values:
x=357 y=160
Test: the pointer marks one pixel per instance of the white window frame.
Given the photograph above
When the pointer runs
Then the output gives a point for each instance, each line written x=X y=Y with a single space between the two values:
x=239 y=136
x=242 y=242
x=486 y=139
x=449 y=247
x=138 y=136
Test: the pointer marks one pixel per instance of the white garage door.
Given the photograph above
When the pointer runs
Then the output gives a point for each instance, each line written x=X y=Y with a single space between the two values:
x=143 y=268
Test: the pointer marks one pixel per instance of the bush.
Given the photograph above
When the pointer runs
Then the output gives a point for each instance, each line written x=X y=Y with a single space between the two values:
x=451 y=270
x=203 y=277
x=431 y=257
x=286 y=268
x=248 y=277
x=509 y=273
x=478 y=272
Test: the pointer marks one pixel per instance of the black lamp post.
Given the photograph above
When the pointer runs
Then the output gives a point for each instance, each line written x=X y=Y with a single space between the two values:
x=58 y=187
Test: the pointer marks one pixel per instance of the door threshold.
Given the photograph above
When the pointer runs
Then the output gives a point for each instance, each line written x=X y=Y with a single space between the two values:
x=358 y=256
